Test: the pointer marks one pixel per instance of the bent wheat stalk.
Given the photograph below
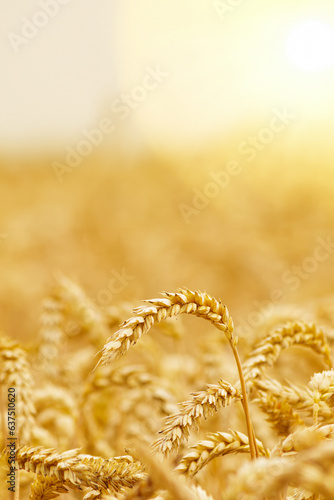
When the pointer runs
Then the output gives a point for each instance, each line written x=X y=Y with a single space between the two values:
x=43 y=488
x=268 y=350
x=203 y=403
x=215 y=445
x=184 y=301
x=81 y=471
x=162 y=476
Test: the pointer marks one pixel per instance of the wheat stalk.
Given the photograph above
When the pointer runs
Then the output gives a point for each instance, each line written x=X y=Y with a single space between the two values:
x=298 y=397
x=280 y=413
x=203 y=403
x=216 y=444
x=183 y=301
x=77 y=305
x=302 y=439
x=268 y=350
x=46 y=488
x=131 y=377
x=15 y=372
x=162 y=476
x=80 y=471
x=263 y=478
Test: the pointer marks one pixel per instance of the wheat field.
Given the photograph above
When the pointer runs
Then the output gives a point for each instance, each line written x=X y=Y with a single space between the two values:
x=120 y=398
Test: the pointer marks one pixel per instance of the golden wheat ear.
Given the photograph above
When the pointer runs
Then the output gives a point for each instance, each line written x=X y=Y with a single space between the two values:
x=215 y=445
x=80 y=472
x=184 y=301
x=15 y=372
x=177 y=426
x=162 y=476
x=267 y=351
x=45 y=488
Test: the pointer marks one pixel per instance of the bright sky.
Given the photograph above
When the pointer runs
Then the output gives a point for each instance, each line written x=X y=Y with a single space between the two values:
x=64 y=62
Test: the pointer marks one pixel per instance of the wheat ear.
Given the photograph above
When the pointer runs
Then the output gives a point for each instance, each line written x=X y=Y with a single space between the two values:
x=144 y=490
x=321 y=387
x=15 y=372
x=202 y=404
x=162 y=476
x=268 y=350
x=80 y=471
x=78 y=306
x=313 y=471
x=261 y=479
x=46 y=488
x=183 y=301
x=216 y=444
x=298 y=397
x=303 y=439
x=280 y=413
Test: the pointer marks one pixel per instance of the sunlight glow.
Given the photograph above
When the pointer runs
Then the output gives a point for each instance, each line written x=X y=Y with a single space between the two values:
x=310 y=45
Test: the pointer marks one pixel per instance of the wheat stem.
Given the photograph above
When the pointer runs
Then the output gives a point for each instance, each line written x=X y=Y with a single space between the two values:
x=250 y=431
x=183 y=301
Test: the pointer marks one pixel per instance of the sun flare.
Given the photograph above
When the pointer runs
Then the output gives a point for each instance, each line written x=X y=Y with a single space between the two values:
x=310 y=45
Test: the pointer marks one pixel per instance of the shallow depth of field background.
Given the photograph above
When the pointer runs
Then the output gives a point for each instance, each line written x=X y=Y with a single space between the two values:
x=229 y=68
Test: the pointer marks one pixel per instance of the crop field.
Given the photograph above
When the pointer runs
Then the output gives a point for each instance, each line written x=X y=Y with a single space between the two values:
x=114 y=397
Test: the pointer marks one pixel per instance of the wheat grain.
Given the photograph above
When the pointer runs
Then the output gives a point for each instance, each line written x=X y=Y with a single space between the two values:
x=302 y=439
x=297 y=397
x=184 y=301
x=268 y=350
x=15 y=372
x=280 y=414
x=322 y=390
x=132 y=377
x=215 y=445
x=46 y=488
x=313 y=471
x=142 y=491
x=81 y=471
x=203 y=403
x=200 y=493
x=162 y=476
x=80 y=309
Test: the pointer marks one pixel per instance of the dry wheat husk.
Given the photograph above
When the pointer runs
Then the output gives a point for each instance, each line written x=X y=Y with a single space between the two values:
x=46 y=488
x=203 y=403
x=81 y=471
x=15 y=372
x=184 y=301
x=216 y=444
x=268 y=350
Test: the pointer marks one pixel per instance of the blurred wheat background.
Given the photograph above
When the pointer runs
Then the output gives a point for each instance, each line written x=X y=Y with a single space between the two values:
x=120 y=206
